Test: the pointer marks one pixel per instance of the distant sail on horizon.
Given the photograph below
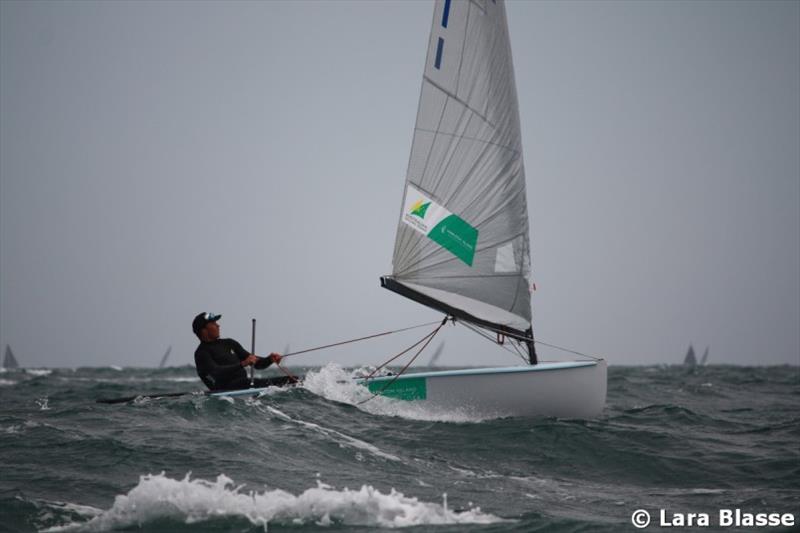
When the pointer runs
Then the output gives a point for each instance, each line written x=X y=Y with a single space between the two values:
x=9 y=361
x=435 y=357
x=704 y=359
x=690 y=359
x=164 y=359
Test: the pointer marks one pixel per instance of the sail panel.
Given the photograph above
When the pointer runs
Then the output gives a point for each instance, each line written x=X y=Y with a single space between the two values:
x=466 y=158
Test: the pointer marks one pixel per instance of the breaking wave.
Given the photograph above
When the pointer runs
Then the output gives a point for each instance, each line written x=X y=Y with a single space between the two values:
x=191 y=501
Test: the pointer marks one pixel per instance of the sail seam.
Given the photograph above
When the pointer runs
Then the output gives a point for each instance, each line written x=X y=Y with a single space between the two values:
x=492 y=143
x=460 y=101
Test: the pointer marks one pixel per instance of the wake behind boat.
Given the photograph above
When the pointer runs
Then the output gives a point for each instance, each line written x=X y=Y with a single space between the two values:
x=462 y=245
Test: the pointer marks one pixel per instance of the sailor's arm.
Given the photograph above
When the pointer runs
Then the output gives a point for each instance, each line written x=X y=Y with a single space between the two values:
x=264 y=362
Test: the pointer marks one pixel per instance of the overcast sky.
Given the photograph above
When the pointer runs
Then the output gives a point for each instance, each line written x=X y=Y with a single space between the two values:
x=161 y=159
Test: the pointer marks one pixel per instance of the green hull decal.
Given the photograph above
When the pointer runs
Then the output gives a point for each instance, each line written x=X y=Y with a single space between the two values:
x=402 y=389
x=456 y=235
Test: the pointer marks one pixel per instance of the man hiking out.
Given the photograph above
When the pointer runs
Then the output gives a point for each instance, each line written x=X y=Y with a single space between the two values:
x=221 y=362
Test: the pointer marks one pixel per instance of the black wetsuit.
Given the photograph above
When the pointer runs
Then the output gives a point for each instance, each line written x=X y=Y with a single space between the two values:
x=219 y=366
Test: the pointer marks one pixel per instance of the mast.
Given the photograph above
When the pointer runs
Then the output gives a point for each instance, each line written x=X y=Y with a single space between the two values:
x=530 y=343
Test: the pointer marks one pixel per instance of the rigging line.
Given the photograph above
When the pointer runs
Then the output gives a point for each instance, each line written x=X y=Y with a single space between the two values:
x=567 y=350
x=401 y=353
x=430 y=338
x=535 y=341
x=516 y=345
x=488 y=338
x=360 y=339
x=291 y=376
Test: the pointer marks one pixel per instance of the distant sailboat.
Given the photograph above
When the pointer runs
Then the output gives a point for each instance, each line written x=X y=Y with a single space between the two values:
x=9 y=361
x=436 y=354
x=704 y=359
x=164 y=359
x=690 y=359
x=462 y=245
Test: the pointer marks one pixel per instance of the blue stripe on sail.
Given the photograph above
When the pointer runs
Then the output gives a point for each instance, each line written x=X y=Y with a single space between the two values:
x=446 y=13
x=439 y=48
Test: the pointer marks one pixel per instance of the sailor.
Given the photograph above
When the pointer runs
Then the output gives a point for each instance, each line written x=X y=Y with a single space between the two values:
x=221 y=362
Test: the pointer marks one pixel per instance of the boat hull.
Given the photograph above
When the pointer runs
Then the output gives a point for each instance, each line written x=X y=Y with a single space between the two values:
x=565 y=390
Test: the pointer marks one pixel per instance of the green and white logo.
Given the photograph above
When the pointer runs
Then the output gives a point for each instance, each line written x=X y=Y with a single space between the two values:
x=450 y=231
x=402 y=389
x=419 y=208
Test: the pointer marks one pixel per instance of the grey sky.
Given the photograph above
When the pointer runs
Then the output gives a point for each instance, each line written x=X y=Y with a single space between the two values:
x=160 y=159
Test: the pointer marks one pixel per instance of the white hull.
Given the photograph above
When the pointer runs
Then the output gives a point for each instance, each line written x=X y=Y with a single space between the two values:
x=565 y=390
x=243 y=393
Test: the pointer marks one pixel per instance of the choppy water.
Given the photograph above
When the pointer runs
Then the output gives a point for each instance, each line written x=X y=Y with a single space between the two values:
x=308 y=459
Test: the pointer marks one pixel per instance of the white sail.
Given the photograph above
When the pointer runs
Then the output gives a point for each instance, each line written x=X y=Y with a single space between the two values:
x=462 y=242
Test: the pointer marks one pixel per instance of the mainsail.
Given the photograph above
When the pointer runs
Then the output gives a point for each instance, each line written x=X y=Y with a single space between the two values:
x=462 y=243
x=9 y=361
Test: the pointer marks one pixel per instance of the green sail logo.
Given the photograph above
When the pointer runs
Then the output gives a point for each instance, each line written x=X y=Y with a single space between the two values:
x=448 y=230
x=419 y=208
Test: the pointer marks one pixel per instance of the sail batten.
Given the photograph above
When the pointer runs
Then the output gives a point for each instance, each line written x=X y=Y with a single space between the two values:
x=462 y=241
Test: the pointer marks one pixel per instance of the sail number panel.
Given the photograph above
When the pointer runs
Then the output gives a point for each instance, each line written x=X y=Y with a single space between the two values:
x=450 y=231
x=401 y=389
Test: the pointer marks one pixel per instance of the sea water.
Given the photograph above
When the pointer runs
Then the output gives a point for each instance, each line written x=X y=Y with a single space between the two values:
x=672 y=441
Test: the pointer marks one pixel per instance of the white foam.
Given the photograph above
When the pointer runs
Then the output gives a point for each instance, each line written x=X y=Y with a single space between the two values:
x=38 y=372
x=192 y=501
x=6 y=382
x=341 y=438
x=334 y=383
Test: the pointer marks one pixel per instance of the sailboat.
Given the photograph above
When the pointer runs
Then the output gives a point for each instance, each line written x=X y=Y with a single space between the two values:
x=704 y=359
x=165 y=357
x=462 y=243
x=690 y=359
x=9 y=361
x=436 y=354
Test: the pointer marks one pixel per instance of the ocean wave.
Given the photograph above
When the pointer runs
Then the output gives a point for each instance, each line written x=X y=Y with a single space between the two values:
x=158 y=497
x=38 y=372
x=334 y=383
